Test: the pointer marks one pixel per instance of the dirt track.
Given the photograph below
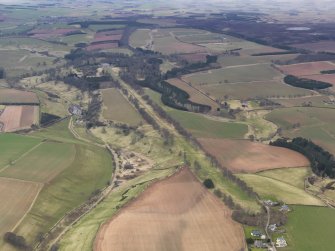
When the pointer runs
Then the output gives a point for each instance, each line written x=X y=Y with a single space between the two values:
x=175 y=214
x=246 y=156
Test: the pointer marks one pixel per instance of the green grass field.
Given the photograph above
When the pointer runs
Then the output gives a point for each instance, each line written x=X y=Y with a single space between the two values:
x=118 y=109
x=262 y=72
x=263 y=89
x=13 y=146
x=21 y=61
x=43 y=163
x=292 y=176
x=201 y=126
x=313 y=123
x=270 y=188
x=310 y=228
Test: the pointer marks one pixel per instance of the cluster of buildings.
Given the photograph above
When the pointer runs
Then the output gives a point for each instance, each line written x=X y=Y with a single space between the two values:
x=260 y=239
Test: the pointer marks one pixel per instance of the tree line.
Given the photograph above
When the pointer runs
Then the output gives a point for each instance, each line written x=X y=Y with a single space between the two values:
x=322 y=162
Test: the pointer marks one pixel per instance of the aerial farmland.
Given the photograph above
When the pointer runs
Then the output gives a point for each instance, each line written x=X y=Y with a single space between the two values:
x=167 y=125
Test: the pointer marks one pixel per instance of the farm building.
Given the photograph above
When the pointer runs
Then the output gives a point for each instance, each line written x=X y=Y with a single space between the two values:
x=284 y=208
x=256 y=233
x=75 y=110
x=271 y=203
x=281 y=242
x=260 y=244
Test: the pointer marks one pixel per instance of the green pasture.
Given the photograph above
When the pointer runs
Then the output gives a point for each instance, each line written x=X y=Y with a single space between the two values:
x=43 y=163
x=13 y=146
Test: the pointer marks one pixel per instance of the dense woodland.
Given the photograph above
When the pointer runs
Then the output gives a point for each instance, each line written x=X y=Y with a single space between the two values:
x=322 y=162
x=306 y=83
x=142 y=69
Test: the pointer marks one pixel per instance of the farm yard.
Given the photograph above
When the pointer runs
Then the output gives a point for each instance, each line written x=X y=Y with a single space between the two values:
x=118 y=109
x=196 y=207
x=246 y=156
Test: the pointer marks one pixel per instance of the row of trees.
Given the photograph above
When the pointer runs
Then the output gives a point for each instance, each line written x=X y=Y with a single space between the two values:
x=322 y=162
x=306 y=83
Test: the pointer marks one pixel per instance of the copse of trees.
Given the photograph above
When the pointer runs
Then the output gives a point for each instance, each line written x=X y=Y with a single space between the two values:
x=322 y=162
x=306 y=83
x=175 y=72
x=16 y=241
x=208 y=183
x=328 y=72
x=2 y=73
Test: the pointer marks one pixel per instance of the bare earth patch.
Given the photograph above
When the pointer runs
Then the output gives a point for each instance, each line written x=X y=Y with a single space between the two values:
x=19 y=117
x=246 y=156
x=177 y=213
x=305 y=69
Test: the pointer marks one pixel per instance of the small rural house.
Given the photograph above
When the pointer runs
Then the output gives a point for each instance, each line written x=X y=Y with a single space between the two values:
x=281 y=242
x=256 y=233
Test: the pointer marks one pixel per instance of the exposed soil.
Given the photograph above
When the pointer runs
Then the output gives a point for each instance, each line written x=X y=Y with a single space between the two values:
x=177 y=213
x=246 y=156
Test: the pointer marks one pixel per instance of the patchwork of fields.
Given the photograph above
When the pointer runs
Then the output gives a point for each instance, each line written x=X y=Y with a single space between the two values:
x=47 y=172
x=37 y=164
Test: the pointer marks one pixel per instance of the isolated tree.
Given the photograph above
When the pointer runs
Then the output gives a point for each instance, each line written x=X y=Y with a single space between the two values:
x=208 y=183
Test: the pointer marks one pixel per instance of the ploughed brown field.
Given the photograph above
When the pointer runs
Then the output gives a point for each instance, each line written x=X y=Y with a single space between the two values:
x=305 y=69
x=177 y=213
x=107 y=36
x=13 y=96
x=16 y=118
x=251 y=157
